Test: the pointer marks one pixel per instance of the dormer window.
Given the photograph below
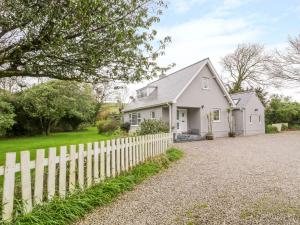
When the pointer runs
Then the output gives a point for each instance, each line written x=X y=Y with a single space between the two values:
x=205 y=83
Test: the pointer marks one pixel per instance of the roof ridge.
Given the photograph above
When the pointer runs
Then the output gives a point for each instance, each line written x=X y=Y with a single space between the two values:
x=178 y=71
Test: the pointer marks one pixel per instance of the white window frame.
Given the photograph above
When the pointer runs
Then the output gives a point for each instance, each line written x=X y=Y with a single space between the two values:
x=138 y=118
x=205 y=83
x=213 y=119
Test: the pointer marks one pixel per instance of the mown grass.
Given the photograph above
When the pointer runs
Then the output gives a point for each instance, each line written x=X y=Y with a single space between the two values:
x=75 y=206
x=53 y=140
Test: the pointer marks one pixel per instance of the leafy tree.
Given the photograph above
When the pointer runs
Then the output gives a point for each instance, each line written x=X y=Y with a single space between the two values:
x=56 y=100
x=96 y=40
x=6 y=115
x=281 y=110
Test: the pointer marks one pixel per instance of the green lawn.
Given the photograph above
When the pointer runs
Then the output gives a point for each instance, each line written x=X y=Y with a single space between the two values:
x=53 y=140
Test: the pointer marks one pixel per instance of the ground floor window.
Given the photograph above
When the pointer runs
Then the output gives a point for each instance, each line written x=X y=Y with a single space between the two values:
x=152 y=115
x=135 y=118
x=250 y=119
x=216 y=115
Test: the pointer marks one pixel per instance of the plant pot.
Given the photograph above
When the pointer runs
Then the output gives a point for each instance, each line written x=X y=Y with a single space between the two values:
x=209 y=137
x=231 y=134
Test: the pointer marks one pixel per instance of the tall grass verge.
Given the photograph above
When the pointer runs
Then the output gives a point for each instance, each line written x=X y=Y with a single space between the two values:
x=75 y=206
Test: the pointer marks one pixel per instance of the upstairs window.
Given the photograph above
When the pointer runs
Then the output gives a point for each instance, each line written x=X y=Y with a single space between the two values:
x=216 y=115
x=250 y=119
x=205 y=83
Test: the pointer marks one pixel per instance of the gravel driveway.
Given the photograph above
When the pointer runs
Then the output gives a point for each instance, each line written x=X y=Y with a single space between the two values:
x=243 y=180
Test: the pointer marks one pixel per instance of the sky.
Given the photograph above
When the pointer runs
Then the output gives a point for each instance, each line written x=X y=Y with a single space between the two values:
x=213 y=28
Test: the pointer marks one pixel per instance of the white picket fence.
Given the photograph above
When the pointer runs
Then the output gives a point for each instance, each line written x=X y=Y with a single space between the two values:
x=91 y=164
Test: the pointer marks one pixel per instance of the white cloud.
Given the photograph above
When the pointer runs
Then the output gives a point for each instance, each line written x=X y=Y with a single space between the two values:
x=183 y=6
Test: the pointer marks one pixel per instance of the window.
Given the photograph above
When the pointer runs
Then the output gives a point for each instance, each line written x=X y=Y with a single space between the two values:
x=135 y=118
x=250 y=119
x=236 y=101
x=152 y=115
x=216 y=115
x=259 y=118
x=205 y=82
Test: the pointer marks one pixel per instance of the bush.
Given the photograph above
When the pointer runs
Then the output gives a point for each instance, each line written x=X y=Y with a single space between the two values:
x=153 y=127
x=125 y=126
x=106 y=125
x=284 y=127
x=271 y=130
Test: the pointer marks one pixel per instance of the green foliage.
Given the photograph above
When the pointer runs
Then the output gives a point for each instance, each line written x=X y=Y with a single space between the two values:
x=59 y=101
x=271 y=130
x=125 y=126
x=282 y=110
x=81 y=40
x=6 y=116
x=107 y=125
x=74 y=207
x=284 y=127
x=153 y=127
x=174 y=154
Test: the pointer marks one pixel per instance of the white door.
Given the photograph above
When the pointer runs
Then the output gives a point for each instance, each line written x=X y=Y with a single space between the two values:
x=181 y=120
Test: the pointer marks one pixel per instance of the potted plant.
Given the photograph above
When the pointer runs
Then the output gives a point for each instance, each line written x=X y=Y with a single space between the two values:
x=209 y=135
x=231 y=132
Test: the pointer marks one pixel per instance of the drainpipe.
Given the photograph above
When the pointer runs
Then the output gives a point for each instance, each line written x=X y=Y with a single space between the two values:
x=170 y=117
x=244 y=122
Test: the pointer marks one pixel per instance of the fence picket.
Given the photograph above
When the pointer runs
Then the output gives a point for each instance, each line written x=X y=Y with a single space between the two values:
x=113 y=158
x=126 y=153
x=89 y=165
x=51 y=173
x=72 y=171
x=26 y=181
x=102 y=160
x=130 y=152
x=133 y=151
x=81 y=166
x=108 y=160
x=118 y=144
x=122 y=152
x=62 y=172
x=96 y=162
x=9 y=186
x=39 y=176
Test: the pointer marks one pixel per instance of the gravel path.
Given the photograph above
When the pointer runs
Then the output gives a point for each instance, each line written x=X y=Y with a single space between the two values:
x=243 y=180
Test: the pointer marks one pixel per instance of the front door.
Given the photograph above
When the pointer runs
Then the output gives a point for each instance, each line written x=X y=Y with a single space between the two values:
x=181 y=120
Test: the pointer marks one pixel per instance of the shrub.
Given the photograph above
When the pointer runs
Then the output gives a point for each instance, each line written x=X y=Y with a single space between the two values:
x=284 y=127
x=294 y=126
x=106 y=125
x=125 y=126
x=153 y=127
x=271 y=130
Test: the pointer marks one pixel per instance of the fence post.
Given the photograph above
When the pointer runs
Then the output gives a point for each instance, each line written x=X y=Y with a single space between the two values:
x=133 y=151
x=89 y=165
x=81 y=166
x=102 y=160
x=108 y=150
x=113 y=157
x=62 y=172
x=122 y=154
x=9 y=186
x=39 y=176
x=118 y=156
x=96 y=162
x=51 y=173
x=126 y=153
x=72 y=173
x=26 y=181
